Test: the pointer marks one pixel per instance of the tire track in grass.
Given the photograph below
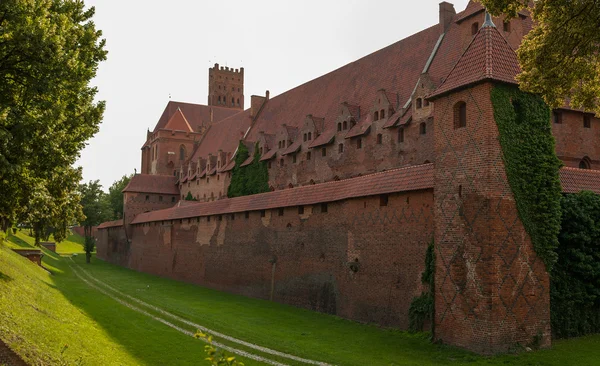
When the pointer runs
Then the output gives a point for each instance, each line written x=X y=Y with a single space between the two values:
x=202 y=328
x=236 y=351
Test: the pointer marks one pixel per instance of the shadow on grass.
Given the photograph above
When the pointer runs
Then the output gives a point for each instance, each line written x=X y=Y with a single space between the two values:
x=18 y=241
x=150 y=342
x=4 y=277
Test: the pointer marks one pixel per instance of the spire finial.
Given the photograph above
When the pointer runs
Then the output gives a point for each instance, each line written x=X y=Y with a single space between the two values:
x=488 y=20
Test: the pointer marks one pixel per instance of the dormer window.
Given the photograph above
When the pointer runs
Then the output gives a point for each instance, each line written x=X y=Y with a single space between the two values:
x=305 y=137
x=345 y=125
x=340 y=148
x=376 y=116
x=382 y=114
x=419 y=103
x=309 y=136
x=339 y=127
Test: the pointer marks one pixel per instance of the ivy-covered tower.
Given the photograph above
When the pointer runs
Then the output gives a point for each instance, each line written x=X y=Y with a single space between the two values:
x=491 y=282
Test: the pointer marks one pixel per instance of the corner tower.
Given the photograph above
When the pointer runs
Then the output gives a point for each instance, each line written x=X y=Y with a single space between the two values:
x=226 y=87
x=492 y=288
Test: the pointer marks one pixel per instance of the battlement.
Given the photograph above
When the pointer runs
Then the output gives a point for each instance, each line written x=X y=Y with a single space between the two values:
x=227 y=69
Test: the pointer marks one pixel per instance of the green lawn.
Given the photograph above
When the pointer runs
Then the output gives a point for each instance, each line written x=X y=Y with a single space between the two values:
x=101 y=330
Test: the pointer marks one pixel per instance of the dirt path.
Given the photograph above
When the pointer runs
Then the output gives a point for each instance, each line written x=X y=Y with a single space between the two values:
x=86 y=277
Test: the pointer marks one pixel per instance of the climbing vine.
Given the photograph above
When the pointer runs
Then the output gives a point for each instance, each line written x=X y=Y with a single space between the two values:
x=250 y=179
x=531 y=165
x=422 y=307
x=575 y=278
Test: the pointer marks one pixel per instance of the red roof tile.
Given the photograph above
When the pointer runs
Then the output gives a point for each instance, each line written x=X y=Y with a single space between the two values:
x=575 y=180
x=397 y=180
x=146 y=183
x=224 y=135
x=178 y=122
x=106 y=225
x=248 y=161
x=196 y=114
x=323 y=139
x=488 y=57
x=362 y=127
x=229 y=166
x=268 y=155
x=293 y=148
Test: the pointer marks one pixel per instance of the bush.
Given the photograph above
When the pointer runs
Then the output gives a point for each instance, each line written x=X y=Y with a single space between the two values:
x=575 y=279
x=422 y=307
x=214 y=356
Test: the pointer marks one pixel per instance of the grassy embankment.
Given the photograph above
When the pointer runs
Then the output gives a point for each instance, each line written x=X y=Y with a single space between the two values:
x=40 y=312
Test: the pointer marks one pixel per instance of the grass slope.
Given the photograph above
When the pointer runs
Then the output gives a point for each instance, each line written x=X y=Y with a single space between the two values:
x=40 y=312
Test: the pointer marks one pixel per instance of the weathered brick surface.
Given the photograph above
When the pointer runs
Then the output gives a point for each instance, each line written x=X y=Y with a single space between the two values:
x=492 y=291
x=574 y=142
x=308 y=255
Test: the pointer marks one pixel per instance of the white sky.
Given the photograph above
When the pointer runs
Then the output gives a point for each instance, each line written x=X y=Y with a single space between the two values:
x=162 y=48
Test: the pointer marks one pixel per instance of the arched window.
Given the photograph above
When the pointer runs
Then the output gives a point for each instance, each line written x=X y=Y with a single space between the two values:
x=339 y=126
x=345 y=125
x=474 y=28
x=419 y=103
x=376 y=116
x=379 y=139
x=309 y=136
x=382 y=114
x=401 y=134
x=305 y=137
x=460 y=115
x=182 y=152
x=423 y=128
x=585 y=163
x=425 y=103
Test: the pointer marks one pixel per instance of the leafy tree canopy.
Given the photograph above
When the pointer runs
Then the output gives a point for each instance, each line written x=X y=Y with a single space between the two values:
x=49 y=52
x=95 y=205
x=560 y=57
x=115 y=197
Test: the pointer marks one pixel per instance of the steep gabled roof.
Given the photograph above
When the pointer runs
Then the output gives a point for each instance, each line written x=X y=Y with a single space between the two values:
x=196 y=114
x=147 y=183
x=178 y=122
x=488 y=57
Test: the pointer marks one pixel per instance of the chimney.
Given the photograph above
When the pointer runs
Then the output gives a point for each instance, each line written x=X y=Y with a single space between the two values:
x=447 y=13
x=256 y=104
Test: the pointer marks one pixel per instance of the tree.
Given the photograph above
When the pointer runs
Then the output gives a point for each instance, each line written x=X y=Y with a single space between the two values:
x=49 y=52
x=96 y=210
x=237 y=187
x=53 y=203
x=189 y=197
x=115 y=196
x=560 y=57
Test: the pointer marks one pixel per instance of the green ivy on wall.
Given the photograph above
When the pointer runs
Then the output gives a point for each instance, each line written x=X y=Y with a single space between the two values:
x=422 y=307
x=575 y=278
x=250 y=179
x=531 y=165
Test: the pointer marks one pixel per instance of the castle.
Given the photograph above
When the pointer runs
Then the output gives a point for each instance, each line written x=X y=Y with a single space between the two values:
x=367 y=165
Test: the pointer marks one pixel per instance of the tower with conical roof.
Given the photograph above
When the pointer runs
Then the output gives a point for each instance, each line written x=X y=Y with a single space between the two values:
x=491 y=289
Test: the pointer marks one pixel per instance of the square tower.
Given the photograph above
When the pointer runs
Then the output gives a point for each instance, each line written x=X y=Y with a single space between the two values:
x=226 y=87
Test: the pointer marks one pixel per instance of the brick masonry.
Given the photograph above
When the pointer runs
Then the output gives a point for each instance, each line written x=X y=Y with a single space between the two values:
x=492 y=291
x=309 y=255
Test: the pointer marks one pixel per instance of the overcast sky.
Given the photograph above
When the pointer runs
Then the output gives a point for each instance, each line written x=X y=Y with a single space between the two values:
x=163 y=48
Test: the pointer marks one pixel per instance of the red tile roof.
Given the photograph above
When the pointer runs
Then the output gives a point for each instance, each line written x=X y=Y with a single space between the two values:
x=397 y=180
x=146 y=183
x=268 y=155
x=362 y=127
x=196 y=114
x=395 y=68
x=248 y=161
x=324 y=138
x=224 y=135
x=488 y=57
x=106 y=225
x=293 y=148
x=575 y=180
x=178 y=122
